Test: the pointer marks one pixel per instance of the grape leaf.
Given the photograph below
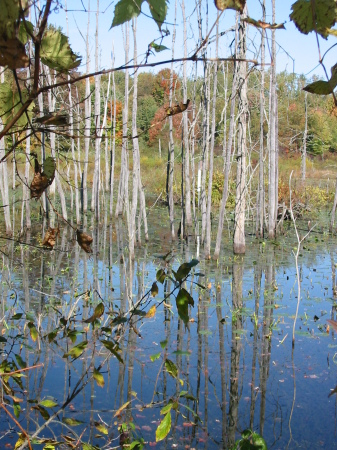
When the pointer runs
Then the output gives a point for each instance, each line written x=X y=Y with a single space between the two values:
x=84 y=241
x=10 y=103
x=99 y=378
x=126 y=10
x=314 y=15
x=56 y=52
x=158 y=9
x=321 y=87
x=183 y=300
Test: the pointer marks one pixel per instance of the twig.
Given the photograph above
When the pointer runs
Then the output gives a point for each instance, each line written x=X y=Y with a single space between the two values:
x=9 y=374
x=17 y=423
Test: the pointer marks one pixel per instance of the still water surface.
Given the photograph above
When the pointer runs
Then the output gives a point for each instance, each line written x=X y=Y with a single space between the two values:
x=234 y=359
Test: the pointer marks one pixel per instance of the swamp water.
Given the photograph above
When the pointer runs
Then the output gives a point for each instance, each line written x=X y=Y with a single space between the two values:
x=96 y=378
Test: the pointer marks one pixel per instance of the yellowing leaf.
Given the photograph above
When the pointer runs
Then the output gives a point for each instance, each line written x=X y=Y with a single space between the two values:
x=71 y=422
x=151 y=312
x=154 y=289
x=33 y=331
x=237 y=5
x=264 y=25
x=101 y=428
x=48 y=403
x=119 y=410
x=98 y=378
x=99 y=311
x=164 y=427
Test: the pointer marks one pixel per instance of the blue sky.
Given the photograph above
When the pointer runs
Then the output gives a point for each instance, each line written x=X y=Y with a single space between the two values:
x=296 y=52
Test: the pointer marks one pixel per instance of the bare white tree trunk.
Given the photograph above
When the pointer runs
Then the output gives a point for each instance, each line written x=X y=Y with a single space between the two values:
x=4 y=185
x=211 y=156
x=87 y=122
x=260 y=191
x=305 y=137
x=186 y=162
x=57 y=182
x=272 y=204
x=123 y=179
x=97 y=166
x=72 y=142
x=240 y=203
x=113 y=140
x=228 y=149
x=135 y=152
x=171 y=144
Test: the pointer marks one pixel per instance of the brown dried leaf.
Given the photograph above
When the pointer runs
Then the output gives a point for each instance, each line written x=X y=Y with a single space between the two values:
x=42 y=180
x=177 y=109
x=49 y=239
x=264 y=25
x=84 y=241
x=237 y=5
x=13 y=54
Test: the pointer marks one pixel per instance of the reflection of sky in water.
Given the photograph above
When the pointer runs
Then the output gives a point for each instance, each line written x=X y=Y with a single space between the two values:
x=208 y=371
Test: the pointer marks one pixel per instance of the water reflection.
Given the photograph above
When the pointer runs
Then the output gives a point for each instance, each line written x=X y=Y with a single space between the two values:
x=235 y=366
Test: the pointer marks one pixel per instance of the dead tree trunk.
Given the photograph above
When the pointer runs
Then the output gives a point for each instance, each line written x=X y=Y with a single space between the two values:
x=211 y=156
x=186 y=162
x=260 y=191
x=170 y=170
x=305 y=137
x=123 y=179
x=97 y=165
x=87 y=122
x=272 y=193
x=228 y=148
x=240 y=203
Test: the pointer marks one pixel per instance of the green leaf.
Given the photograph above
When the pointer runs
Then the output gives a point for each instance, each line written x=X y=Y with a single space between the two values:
x=126 y=10
x=24 y=36
x=155 y=356
x=164 y=427
x=99 y=311
x=71 y=422
x=101 y=428
x=99 y=378
x=158 y=9
x=314 y=15
x=49 y=167
x=171 y=368
x=33 y=331
x=16 y=316
x=44 y=413
x=185 y=269
x=20 y=361
x=163 y=344
x=48 y=403
x=113 y=348
x=323 y=87
x=10 y=103
x=89 y=447
x=17 y=410
x=52 y=335
x=183 y=300
x=56 y=52
x=76 y=351
x=161 y=275
x=237 y=5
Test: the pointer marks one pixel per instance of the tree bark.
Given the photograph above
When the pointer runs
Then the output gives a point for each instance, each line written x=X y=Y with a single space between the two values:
x=186 y=162
x=272 y=192
x=240 y=200
x=87 y=122
x=228 y=148
x=260 y=191
x=211 y=156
